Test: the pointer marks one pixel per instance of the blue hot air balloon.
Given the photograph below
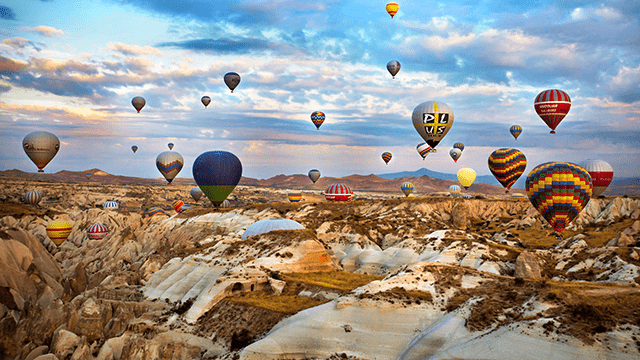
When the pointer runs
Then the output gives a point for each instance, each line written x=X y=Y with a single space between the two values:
x=217 y=173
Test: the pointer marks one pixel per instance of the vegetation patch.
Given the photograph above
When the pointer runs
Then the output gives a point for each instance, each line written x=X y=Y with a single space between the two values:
x=285 y=304
x=339 y=280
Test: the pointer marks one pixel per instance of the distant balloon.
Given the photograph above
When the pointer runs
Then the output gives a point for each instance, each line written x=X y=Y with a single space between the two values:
x=155 y=210
x=232 y=80
x=317 y=117
x=177 y=205
x=138 y=102
x=392 y=8
x=58 y=231
x=134 y=149
x=454 y=190
x=205 y=101
x=459 y=145
x=455 y=154
x=225 y=204
x=386 y=156
x=87 y=175
x=185 y=207
x=560 y=191
x=515 y=130
x=169 y=163
x=314 y=175
x=196 y=193
x=518 y=196
x=170 y=146
x=407 y=188
x=466 y=177
x=507 y=165
x=294 y=196
x=552 y=106
x=393 y=67
x=338 y=192
x=432 y=120
x=601 y=175
x=97 y=231
x=41 y=147
x=32 y=197
x=111 y=205
x=217 y=173
x=424 y=150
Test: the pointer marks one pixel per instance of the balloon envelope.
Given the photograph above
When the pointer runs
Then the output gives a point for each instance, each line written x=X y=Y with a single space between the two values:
x=232 y=80
x=338 y=192
x=97 y=231
x=454 y=190
x=601 y=175
x=32 y=197
x=111 y=205
x=386 y=156
x=432 y=120
x=407 y=188
x=294 y=196
x=177 y=205
x=507 y=165
x=515 y=131
x=170 y=146
x=196 y=193
x=267 y=225
x=134 y=149
x=169 y=163
x=58 y=231
x=155 y=211
x=393 y=67
x=392 y=8
x=459 y=145
x=41 y=147
x=205 y=101
x=87 y=175
x=314 y=175
x=424 y=150
x=466 y=177
x=317 y=117
x=217 y=173
x=138 y=102
x=552 y=106
x=455 y=154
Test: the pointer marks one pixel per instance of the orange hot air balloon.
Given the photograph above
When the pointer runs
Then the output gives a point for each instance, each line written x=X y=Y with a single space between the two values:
x=392 y=8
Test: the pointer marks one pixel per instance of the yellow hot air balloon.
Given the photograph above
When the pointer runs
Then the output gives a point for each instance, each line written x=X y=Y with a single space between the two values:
x=392 y=8
x=466 y=177
x=58 y=231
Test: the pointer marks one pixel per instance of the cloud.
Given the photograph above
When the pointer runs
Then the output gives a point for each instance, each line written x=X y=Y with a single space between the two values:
x=9 y=65
x=19 y=43
x=47 y=31
x=603 y=13
x=625 y=84
x=228 y=46
x=6 y=13
x=134 y=50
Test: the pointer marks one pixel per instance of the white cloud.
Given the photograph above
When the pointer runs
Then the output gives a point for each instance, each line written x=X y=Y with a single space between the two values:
x=47 y=31
x=133 y=49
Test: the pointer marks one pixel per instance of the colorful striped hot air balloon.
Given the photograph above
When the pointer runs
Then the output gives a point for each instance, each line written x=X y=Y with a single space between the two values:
x=407 y=188
x=424 y=150
x=338 y=192
x=169 y=163
x=97 y=231
x=217 y=173
x=515 y=131
x=177 y=205
x=294 y=196
x=454 y=190
x=392 y=8
x=155 y=211
x=32 y=197
x=58 y=231
x=466 y=177
x=317 y=117
x=386 y=156
x=552 y=106
x=111 y=205
x=507 y=165
x=601 y=175
x=518 y=196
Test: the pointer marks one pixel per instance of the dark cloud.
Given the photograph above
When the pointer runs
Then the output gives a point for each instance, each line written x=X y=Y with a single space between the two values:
x=6 y=13
x=4 y=88
x=241 y=46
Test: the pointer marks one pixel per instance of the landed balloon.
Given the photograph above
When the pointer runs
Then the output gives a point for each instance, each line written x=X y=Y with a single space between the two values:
x=205 y=101
x=459 y=145
x=97 y=231
x=217 y=173
x=601 y=175
x=155 y=211
x=177 y=205
x=294 y=196
x=196 y=193
x=466 y=177
x=317 y=117
x=455 y=154
x=455 y=190
x=32 y=197
x=169 y=163
x=58 y=231
x=407 y=188
x=170 y=146
x=386 y=156
x=134 y=149
x=559 y=191
x=515 y=131
x=111 y=205
x=185 y=207
x=41 y=147
x=507 y=165
x=432 y=120
x=232 y=80
x=138 y=102
x=338 y=192
x=314 y=175
x=424 y=150
x=393 y=67
x=552 y=106
x=267 y=225
x=392 y=8
x=518 y=196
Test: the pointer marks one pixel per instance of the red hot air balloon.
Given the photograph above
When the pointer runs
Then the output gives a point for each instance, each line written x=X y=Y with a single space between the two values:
x=338 y=192
x=552 y=106
x=601 y=175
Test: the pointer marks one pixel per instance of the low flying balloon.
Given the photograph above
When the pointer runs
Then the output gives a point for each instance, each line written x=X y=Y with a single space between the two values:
x=87 y=175
x=338 y=192
x=111 y=205
x=559 y=191
x=393 y=67
x=466 y=177
x=170 y=146
x=196 y=193
x=134 y=149
x=205 y=101
x=432 y=120
x=156 y=210
x=169 y=163
x=226 y=204
x=294 y=196
x=267 y=225
x=392 y=8
x=515 y=131
x=455 y=154
x=97 y=231
x=507 y=165
x=459 y=145
x=138 y=102
x=314 y=175
x=217 y=173
x=454 y=190
x=407 y=188
x=601 y=175
x=41 y=147
x=58 y=231
x=177 y=205
x=317 y=117
x=386 y=156
x=32 y=197
x=424 y=150
x=232 y=80
x=552 y=106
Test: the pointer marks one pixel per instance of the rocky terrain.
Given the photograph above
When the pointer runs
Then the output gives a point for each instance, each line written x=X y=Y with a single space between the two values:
x=381 y=277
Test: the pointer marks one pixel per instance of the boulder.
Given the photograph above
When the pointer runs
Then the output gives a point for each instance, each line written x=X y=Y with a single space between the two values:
x=64 y=343
x=528 y=266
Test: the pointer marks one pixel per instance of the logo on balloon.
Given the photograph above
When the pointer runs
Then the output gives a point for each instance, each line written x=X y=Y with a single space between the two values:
x=435 y=123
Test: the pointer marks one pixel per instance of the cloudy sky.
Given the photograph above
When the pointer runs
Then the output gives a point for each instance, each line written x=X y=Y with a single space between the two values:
x=72 y=67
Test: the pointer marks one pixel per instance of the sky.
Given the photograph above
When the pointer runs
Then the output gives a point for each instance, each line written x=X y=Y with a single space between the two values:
x=72 y=68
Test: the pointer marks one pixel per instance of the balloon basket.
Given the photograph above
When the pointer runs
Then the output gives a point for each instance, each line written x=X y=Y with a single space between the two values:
x=40 y=170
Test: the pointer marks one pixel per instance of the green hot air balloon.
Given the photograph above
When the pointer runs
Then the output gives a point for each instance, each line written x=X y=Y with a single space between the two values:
x=217 y=173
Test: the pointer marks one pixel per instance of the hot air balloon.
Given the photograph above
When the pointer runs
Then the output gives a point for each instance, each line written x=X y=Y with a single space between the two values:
x=41 y=147
x=392 y=8
x=455 y=154
x=97 y=231
x=217 y=173
x=32 y=197
x=169 y=163
x=225 y=204
x=314 y=175
x=454 y=190
x=294 y=196
x=87 y=175
x=58 y=231
x=466 y=177
x=407 y=188
x=424 y=150
x=507 y=165
x=177 y=205
x=515 y=130
x=459 y=145
x=338 y=192
x=138 y=102
x=155 y=210
x=185 y=207
x=170 y=146
x=205 y=101
x=111 y=205
x=601 y=175
x=518 y=196
x=317 y=117
x=196 y=193
x=552 y=106
x=232 y=80
x=267 y=225
x=134 y=149
x=386 y=156
x=393 y=67
x=432 y=120
x=559 y=190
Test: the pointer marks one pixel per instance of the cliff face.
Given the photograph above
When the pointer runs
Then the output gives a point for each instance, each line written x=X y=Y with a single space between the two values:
x=396 y=278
